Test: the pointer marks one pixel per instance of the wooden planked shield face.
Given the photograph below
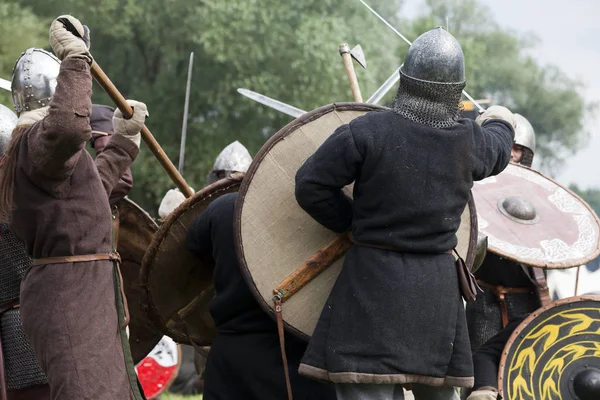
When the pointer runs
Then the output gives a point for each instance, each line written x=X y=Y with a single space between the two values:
x=136 y=229
x=274 y=236
x=177 y=285
x=554 y=354
x=530 y=219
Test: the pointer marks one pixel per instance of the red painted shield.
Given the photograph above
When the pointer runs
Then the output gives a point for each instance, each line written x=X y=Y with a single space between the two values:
x=157 y=371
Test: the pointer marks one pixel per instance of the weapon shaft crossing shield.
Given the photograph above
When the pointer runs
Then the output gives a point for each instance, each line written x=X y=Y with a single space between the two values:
x=555 y=353
x=274 y=236
x=531 y=219
x=177 y=285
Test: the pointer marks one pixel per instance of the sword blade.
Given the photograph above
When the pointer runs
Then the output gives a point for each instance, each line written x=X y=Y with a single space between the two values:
x=464 y=92
x=185 y=114
x=4 y=84
x=385 y=88
x=274 y=104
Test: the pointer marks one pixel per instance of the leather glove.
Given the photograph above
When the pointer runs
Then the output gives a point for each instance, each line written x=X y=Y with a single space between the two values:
x=130 y=128
x=69 y=38
x=170 y=202
x=497 y=112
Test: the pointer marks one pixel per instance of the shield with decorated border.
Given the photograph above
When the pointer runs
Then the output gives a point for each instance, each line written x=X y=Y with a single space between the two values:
x=531 y=219
x=554 y=354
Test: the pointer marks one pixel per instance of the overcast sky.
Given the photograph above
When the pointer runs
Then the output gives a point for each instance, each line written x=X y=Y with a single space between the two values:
x=569 y=33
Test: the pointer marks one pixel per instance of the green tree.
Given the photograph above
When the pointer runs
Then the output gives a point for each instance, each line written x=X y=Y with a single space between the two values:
x=498 y=67
x=289 y=51
x=590 y=196
x=20 y=29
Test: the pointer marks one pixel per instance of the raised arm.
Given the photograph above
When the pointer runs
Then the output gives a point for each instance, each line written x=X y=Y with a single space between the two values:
x=493 y=136
x=115 y=158
x=55 y=142
x=319 y=182
x=112 y=161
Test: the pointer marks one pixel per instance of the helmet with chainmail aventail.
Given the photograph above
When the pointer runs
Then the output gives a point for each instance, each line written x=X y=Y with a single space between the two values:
x=431 y=80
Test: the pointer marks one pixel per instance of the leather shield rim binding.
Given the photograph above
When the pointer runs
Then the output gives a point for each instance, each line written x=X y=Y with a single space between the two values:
x=517 y=332
x=129 y=206
x=558 y=264
x=277 y=137
x=222 y=186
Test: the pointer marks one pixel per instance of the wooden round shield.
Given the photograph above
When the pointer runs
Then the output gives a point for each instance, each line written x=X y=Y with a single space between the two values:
x=136 y=230
x=533 y=220
x=554 y=353
x=178 y=286
x=274 y=236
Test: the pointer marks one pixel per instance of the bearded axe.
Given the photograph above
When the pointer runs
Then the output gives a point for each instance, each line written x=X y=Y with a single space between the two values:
x=359 y=56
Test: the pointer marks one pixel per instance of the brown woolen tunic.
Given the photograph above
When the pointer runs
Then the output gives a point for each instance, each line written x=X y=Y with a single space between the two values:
x=61 y=194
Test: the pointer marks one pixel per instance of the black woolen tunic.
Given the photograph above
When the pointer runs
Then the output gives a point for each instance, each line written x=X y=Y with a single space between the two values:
x=397 y=316
x=245 y=359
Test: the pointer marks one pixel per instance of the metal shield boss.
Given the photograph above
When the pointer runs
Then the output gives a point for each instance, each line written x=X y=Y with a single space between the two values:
x=555 y=353
x=136 y=229
x=533 y=220
x=274 y=236
x=177 y=285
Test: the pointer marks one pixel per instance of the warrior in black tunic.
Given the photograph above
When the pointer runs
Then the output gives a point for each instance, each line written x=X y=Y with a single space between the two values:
x=244 y=361
x=511 y=291
x=396 y=316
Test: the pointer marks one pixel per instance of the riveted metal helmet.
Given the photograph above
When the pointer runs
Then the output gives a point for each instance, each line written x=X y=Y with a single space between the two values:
x=8 y=121
x=525 y=137
x=431 y=80
x=234 y=158
x=34 y=79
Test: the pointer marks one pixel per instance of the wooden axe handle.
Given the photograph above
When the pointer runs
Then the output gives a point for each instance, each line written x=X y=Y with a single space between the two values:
x=127 y=111
x=325 y=257
x=349 y=66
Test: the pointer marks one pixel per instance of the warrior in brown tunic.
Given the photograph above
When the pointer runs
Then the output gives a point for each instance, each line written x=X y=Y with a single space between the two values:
x=71 y=304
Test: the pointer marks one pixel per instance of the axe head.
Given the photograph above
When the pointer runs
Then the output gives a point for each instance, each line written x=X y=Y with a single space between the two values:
x=358 y=54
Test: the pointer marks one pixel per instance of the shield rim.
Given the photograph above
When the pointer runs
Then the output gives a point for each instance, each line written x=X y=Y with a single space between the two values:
x=151 y=223
x=265 y=149
x=159 y=237
x=517 y=332
x=557 y=264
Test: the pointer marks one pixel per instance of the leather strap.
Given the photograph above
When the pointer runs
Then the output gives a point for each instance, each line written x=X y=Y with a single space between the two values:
x=281 y=333
x=500 y=291
x=114 y=256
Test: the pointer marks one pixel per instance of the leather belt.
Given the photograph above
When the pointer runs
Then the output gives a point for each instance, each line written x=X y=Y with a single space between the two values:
x=500 y=291
x=113 y=256
x=75 y=259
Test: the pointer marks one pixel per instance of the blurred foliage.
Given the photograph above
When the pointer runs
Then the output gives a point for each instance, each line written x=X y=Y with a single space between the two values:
x=285 y=50
x=591 y=196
